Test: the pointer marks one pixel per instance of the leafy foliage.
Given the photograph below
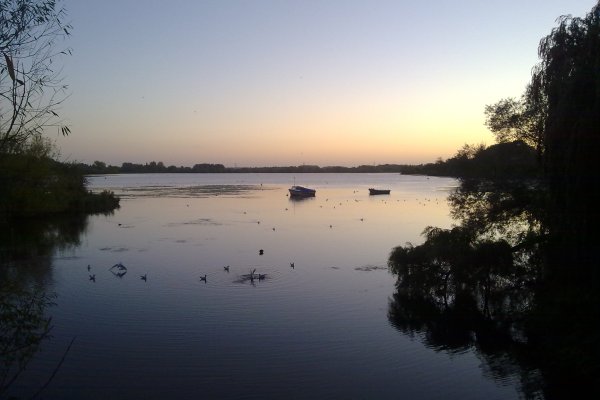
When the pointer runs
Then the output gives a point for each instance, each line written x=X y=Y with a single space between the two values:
x=522 y=268
x=569 y=76
x=519 y=120
x=33 y=185
x=30 y=88
x=511 y=160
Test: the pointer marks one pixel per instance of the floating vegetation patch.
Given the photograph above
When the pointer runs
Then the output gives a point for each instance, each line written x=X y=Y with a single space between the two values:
x=114 y=249
x=199 y=221
x=68 y=258
x=188 y=191
x=368 y=268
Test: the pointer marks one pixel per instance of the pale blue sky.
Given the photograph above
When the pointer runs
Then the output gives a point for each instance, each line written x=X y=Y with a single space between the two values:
x=290 y=82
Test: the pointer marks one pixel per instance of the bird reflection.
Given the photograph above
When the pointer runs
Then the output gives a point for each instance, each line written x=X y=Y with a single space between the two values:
x=119 y=274
x=118 y=270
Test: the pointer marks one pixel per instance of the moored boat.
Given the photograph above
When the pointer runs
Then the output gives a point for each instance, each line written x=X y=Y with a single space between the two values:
x=379 y=191
x=301 y=191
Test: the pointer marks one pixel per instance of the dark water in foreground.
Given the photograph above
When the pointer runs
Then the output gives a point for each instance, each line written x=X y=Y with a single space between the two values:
x=318 y=330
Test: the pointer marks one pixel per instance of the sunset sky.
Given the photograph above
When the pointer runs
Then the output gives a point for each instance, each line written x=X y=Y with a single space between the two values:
x=263 y=83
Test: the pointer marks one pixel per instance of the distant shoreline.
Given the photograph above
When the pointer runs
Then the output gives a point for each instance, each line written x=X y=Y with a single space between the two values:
x=99 y=168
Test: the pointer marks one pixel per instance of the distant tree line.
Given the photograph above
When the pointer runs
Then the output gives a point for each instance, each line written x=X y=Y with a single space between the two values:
x=501 y=160
x=99 y=167
x=153 y=167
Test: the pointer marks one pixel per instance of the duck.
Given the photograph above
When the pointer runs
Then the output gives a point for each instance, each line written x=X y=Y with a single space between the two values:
x=261 y=252
x=261 y=276
x=89 y=267
x=93 y=277
x=203 y=278
x=143 y=277
x=226 y=268
x=292 y=265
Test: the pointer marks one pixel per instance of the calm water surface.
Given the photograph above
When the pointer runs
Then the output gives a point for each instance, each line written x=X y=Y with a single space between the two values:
x=318 y=330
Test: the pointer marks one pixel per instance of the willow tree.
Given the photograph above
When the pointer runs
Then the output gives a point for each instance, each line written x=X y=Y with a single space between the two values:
x=568 y=75
x=31 y=88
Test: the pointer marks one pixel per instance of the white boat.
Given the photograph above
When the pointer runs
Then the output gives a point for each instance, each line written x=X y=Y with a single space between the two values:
x=301 y=191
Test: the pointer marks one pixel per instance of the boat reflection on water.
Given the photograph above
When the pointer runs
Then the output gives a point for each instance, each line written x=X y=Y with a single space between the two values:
x=300 y=199
x=378 y=191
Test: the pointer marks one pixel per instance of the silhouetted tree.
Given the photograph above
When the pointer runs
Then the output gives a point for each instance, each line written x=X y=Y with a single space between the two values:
x=569 y=77
x=525 y=252
x=519 y=120
x=30 y=87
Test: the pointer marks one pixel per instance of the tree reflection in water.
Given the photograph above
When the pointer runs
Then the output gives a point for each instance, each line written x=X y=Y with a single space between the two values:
x=482 y=285
x=26 y=250
x=23 y=326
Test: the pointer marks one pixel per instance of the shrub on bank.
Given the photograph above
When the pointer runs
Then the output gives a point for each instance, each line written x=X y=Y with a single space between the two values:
x=33 y=186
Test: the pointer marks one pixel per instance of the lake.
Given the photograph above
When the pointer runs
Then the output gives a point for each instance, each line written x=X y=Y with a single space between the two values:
x=320 y=329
